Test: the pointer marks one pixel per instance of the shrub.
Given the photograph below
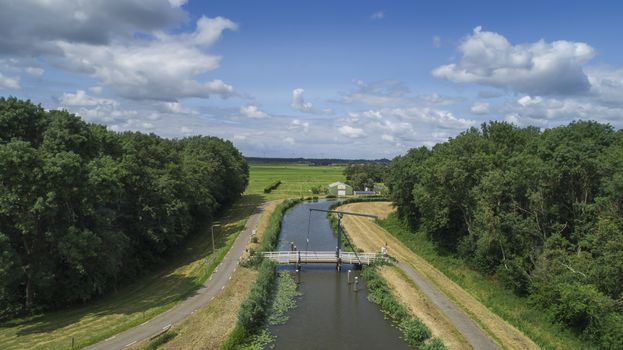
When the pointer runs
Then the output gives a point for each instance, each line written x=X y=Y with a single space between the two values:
x=414 y=330
x=272 y=186
x=160 y=340
x=434 y=344
x=253 y=310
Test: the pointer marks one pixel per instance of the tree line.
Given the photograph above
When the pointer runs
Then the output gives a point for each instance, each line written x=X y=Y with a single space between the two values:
x=542 y=211
x=83 y=209
x=362 y=176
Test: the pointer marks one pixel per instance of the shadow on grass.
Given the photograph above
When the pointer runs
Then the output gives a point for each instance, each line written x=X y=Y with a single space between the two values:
x=162 y=287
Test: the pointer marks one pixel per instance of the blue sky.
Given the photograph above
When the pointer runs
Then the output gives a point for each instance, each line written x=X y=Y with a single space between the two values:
x=351 y=79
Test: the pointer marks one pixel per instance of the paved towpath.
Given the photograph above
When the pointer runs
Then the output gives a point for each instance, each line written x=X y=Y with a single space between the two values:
x=472 y=333
x=218 y=280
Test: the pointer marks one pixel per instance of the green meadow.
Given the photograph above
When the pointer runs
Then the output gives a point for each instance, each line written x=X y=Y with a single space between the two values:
x=296 y=180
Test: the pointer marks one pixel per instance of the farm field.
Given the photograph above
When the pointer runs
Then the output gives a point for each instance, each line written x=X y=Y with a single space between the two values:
x=296 y=180
x=137 y=302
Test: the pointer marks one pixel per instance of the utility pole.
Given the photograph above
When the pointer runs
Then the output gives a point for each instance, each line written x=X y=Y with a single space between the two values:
x=214 y=225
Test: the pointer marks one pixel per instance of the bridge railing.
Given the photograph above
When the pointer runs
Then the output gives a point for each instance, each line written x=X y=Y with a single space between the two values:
x=292 y=257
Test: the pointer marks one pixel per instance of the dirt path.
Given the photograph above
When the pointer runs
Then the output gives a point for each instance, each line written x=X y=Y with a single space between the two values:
x=220 y=277
x=450 y=298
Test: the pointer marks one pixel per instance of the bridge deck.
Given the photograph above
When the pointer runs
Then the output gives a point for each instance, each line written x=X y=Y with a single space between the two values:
x=321 y=257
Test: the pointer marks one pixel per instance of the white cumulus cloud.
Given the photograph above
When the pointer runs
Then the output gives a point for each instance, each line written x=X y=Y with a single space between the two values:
x=162 y=68
x=299 y=103
x=351 y=132
x=9 y=83
x=299 y=125
x=82 y=99
x=253 y=111
x=480 y=108
x=539 y=68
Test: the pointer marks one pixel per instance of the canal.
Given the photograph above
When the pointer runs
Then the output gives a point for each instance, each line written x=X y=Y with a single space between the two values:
x=329 y=314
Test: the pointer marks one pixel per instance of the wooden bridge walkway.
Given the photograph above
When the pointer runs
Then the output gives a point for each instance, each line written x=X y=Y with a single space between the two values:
x=321 y=257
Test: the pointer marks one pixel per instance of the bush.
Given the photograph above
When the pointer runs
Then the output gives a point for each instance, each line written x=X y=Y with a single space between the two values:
x=160 y=340
x=272 y=186
x=434 y=344
x=253 y=310
x=414 y=330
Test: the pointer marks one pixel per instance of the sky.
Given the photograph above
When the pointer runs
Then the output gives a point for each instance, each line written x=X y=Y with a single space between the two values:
x=318 y=79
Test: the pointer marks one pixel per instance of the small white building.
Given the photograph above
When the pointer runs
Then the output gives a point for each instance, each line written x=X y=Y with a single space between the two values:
x=340 y=189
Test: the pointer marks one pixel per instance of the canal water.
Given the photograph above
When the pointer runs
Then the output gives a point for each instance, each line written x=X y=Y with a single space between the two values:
x=329 y=315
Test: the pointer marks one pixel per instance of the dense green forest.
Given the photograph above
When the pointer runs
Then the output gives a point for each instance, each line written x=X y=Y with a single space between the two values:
x=540 y=211
x=83 y=209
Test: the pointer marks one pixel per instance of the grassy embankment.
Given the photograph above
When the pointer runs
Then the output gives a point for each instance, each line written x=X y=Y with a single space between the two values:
x=296 y=180
x=515 y=310
x=141 y=300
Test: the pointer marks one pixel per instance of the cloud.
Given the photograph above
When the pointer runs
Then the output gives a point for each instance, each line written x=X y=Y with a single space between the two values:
x=36 y=71
x=377 y=15
x=351 y=132
x=32 y=27
x=82 y=99
x=549 y=112
x=298 y=125
x=489 y=94
x=436 y=41
x=437 y=99
x=163 y=68
x=606 y=84
x=526 y=101
x=289 y=140
x=252 y=111
x=480 y=108
x=539 y=68
x=388 y=138
x=299 y=103
x=175 y=108
x=9 y=83
x=379 y=93
x=405 y=127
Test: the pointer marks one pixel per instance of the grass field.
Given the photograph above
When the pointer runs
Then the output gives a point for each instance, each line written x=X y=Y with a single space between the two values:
x=297 y=180
x=132 y=305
